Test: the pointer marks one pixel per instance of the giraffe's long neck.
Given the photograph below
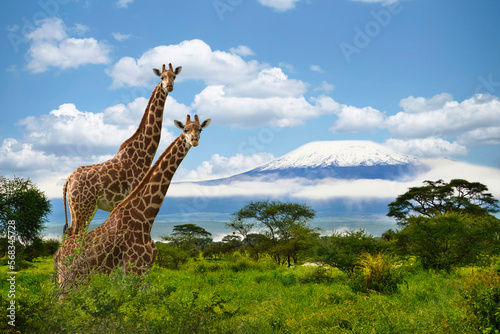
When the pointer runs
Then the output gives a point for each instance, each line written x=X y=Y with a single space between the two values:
x=144 y=203
x=146 y=138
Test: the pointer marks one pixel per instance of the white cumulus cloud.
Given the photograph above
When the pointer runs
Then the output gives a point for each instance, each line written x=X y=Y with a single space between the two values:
x=354 y=119
x=442 y=116
x=239 y=93
x=50 y=46
x=430 y=127
x=199 y=62
x=275 y=111
x=427 y=147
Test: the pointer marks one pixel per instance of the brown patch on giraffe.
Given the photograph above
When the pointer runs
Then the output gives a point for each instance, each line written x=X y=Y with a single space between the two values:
x=136 y=214
x=151 y=149
x=139 y=249
x=154 y=188
x=150 y=211
x=142 y=206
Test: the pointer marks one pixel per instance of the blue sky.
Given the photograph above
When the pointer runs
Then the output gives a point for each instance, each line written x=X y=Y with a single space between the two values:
x=419 y=76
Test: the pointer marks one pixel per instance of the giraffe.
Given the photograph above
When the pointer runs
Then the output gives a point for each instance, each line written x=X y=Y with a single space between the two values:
x=124 y=239
x=104 y=185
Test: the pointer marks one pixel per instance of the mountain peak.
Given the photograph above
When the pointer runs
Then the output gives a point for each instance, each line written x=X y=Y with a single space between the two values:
x=344 y=153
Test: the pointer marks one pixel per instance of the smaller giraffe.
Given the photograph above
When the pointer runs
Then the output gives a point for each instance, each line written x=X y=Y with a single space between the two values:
x=104 y=185
x=124 y=239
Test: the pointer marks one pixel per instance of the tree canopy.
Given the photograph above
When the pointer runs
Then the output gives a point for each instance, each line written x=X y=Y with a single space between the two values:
x=23 y=203
x=449 y=240
x=439 y=197
x=284 y=225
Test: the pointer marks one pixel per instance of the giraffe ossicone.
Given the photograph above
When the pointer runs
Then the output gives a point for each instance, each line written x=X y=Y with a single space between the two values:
x=105 y=185
x=124 y=239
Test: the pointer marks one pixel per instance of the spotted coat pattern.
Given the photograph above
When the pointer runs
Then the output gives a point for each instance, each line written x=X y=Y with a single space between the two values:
x=104 y=185
x=124 y=240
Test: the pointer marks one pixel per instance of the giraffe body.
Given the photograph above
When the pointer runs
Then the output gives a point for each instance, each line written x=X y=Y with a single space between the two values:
x=124 y=240
x=104 y=185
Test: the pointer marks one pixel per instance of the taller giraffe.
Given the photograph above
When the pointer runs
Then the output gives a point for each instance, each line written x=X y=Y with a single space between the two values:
x=124 y=239
x=104 y=185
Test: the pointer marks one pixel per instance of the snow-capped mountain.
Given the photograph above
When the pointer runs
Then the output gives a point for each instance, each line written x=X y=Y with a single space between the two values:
x=348 y=153
x=352 y=159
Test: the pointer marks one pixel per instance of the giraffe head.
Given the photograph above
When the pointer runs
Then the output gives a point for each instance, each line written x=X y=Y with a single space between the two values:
x=167 y=76
x=192 y=129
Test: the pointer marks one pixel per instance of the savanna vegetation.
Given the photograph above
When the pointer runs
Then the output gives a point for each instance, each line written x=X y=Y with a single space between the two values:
x=439 y=272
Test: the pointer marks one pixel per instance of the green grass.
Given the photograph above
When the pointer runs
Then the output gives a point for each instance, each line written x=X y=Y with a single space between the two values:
x=235 y=296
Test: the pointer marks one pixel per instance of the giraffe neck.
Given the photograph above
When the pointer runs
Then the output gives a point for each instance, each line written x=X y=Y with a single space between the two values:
x=145 y=201
x=146 y=138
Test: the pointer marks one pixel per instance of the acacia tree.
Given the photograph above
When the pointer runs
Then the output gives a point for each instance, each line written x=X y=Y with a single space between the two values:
x=22 y=202
x=440 y=197
x=284 y=225
x=448 y=240
x=189 y=236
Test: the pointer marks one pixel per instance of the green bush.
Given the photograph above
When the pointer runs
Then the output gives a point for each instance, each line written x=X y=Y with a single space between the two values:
x=170 y=256
x=376 y=273
x=243 y=265
x=481 y=297
x=207 y=267
x=449 y=240
x=319 y=274
x=342 y=250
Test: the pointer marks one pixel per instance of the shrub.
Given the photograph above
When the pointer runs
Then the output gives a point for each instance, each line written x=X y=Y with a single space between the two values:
x=342 y=250
x=481 y=297
x=204 y=267
x=287 y=279
x=376 y=273
x=449 y=240
x=317 y=275
x=170 y=257
x=243 y=265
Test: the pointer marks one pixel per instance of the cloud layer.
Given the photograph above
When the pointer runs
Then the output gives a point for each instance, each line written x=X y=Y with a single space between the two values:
x=330 y=189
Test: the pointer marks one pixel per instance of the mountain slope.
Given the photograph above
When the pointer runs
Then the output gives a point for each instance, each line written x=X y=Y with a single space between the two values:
x=353 y=159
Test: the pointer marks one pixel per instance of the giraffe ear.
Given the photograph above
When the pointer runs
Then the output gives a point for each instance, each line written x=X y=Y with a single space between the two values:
x=206 y=123
x=179 y=124
x=157 y=72
x=178 y=70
